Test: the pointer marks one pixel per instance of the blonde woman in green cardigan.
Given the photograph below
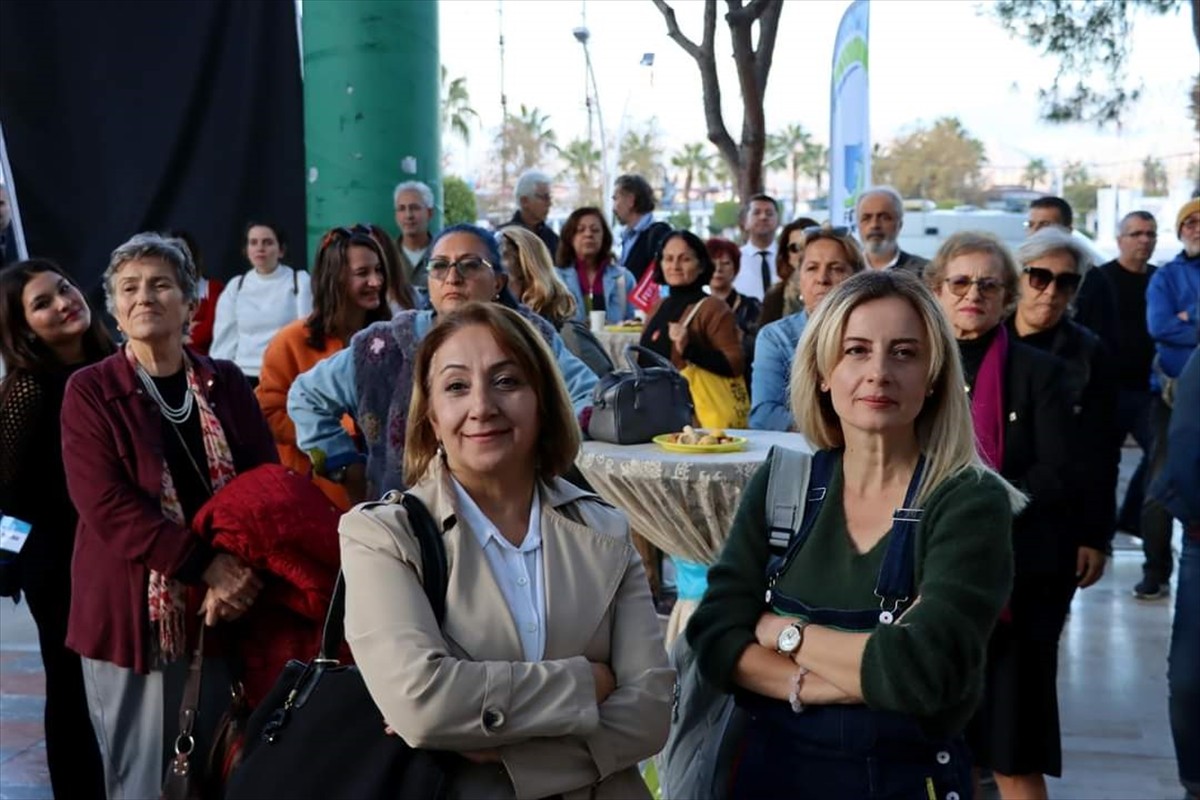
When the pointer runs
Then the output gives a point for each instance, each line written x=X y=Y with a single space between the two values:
x=864 y=663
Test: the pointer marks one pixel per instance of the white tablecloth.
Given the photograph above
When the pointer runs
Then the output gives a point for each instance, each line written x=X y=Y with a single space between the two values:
x=683 y=503
x=614 y=344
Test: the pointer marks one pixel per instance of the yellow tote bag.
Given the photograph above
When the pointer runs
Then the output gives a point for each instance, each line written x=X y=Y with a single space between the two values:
x=720 y=402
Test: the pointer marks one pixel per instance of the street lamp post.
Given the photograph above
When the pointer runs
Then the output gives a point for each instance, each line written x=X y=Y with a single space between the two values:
x=582 y=35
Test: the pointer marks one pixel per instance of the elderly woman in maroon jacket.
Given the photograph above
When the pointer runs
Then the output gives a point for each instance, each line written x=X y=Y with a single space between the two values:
x=148 y=435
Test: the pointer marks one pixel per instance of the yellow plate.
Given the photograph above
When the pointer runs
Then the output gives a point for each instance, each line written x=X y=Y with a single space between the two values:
x=622 y=329
x=738 y=443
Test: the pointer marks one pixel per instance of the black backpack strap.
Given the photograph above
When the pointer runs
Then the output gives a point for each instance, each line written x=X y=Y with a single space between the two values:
x=295 y=282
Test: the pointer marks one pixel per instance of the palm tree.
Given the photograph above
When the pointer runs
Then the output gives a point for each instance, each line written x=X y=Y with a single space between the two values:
x=525 y=139
x=696 y=165
x=640 y=154
x=814 y=161
x=785 y=151
x=1154 y=177
x=457 y=114
x=1036 y=172
x=582 y=162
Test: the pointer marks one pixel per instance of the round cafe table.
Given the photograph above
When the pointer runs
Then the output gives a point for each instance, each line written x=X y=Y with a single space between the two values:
x=683 y=503
x=614 y=343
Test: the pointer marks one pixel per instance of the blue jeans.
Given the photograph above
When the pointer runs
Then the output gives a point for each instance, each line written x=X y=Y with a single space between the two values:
x=1183 y=668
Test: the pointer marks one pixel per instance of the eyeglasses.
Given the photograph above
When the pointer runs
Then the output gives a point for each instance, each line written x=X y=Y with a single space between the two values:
x=543 y=196
x=359 y=231
x=1140 y=235
x=1040 y=278
x=1039 y=224
x=959 y=285
x=795 y=247
x=467 y=267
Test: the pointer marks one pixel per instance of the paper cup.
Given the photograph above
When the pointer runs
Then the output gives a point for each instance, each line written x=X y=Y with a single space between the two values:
x=597 y=320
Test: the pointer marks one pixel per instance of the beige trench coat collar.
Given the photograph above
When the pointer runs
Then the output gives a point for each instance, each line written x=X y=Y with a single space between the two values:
x=583 y=570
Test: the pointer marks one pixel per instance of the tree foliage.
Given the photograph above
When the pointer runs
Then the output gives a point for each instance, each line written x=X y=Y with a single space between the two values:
x=459 y=201
x=942 y=163
x=1090 y=41
x=1079 y=187
x=457 y=114
x=640 y=153
x=1036 y=173
x=1154 y=177
x=753 y=61
x=582 y=168
x=525 y=140
x=696 y=164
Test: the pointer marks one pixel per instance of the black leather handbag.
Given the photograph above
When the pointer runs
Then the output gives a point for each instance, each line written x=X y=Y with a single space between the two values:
x=318 y=733
x=635 y=405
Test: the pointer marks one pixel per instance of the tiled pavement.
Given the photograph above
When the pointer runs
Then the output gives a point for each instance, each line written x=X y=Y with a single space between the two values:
x=1112 y=685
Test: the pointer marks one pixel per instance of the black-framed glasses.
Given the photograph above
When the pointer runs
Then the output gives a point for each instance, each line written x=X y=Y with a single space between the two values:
x=467 y=267
x=837 y=230
x=1040 y=278
x=959 y=285
x=795 y=247
x=358 y=231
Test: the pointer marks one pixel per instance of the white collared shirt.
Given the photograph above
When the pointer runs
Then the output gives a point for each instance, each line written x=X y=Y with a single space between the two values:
x=518 y=570
x=748 y=281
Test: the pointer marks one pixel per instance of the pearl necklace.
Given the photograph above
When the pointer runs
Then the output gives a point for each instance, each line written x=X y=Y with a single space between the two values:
x=173 y=415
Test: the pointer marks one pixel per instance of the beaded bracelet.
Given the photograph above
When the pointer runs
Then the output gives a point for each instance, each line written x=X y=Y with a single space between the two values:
x=794 y=696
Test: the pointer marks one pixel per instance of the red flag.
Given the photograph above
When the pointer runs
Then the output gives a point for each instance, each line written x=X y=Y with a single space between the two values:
x=646 y=294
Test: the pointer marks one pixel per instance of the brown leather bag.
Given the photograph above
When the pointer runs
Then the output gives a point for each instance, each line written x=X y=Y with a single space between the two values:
x=183 y=781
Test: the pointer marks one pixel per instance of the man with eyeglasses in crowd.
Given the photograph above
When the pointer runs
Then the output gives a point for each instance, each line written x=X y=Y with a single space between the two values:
x=413 y=203
x=533 y=206
x=760 y=218
x=880 y=216
x=1125 y=280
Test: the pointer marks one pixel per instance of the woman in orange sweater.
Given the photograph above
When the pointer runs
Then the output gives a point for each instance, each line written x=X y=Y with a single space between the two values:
x=350 y=286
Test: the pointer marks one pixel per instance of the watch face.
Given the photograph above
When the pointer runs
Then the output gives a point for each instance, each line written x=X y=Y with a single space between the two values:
x=789 y=639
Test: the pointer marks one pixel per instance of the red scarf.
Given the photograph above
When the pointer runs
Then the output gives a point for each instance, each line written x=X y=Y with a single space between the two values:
x=987 y=401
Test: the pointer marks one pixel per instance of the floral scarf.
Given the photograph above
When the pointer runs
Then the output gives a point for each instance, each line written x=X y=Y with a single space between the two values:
x=167 y=597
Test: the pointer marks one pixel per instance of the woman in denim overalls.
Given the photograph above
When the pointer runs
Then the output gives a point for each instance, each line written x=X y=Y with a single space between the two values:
x=853 y=633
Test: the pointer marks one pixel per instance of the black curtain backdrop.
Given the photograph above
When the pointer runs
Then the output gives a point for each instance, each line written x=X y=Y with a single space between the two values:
x=126 y=116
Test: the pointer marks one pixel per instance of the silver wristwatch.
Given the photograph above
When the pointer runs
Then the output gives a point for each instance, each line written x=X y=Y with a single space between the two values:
x=790 y=638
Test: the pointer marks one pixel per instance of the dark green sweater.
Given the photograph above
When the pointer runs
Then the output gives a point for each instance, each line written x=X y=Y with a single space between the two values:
x=932 y=664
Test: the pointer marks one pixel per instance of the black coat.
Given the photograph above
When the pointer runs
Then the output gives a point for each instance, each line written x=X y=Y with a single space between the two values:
x=645 y=248
x=1096 y=308
x=1090 y=389
x=1037 y=460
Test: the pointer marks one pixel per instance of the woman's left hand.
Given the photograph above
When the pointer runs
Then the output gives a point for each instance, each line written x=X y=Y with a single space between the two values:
x=679 y=335
x=1089 y=566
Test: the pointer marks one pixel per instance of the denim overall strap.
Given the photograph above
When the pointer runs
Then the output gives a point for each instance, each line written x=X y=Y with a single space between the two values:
x=894 y=585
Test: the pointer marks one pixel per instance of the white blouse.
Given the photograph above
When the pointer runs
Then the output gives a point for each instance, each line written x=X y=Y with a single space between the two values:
x=518 y=570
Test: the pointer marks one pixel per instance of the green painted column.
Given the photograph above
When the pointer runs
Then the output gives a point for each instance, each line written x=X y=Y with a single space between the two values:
x=371 y=108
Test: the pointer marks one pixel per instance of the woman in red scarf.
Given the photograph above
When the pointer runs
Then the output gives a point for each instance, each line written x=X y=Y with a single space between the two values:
x=1021 y=428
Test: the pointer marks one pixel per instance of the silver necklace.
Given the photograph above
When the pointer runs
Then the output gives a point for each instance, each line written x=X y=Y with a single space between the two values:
x=174 y=415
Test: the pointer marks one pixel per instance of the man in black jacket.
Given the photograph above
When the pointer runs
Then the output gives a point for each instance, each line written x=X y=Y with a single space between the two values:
x=1121 y=283
x=633 y=206
x=880 y=217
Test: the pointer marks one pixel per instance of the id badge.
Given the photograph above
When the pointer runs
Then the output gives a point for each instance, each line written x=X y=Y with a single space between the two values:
x=13 y=533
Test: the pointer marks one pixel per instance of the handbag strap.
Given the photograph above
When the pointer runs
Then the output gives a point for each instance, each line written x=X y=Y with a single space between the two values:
x=692 y=313
x=190 y=705
x=435 y=574
x=631 y=358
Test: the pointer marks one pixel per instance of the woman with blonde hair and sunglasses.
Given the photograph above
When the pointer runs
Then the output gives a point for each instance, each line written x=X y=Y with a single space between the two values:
x=862 y=665
x=824 y=257
x=1022 y=427
x=534 y=281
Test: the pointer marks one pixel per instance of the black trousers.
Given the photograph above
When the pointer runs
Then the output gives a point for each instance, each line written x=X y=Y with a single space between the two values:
x=1156 y=520
x=72 y=755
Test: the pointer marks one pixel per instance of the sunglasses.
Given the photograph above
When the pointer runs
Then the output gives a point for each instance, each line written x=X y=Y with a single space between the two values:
x=359 y=232
x=959 y=285
x=467 y=267
x=813 y=230
x=1040 y=279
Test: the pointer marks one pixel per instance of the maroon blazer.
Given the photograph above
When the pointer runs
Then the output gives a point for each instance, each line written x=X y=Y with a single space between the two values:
x=113 y=456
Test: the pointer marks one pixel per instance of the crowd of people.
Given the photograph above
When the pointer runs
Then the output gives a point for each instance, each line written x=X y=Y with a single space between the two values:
x=984 y=393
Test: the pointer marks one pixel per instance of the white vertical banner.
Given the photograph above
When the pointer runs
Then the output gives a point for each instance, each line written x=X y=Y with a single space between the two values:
x=849 y=117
